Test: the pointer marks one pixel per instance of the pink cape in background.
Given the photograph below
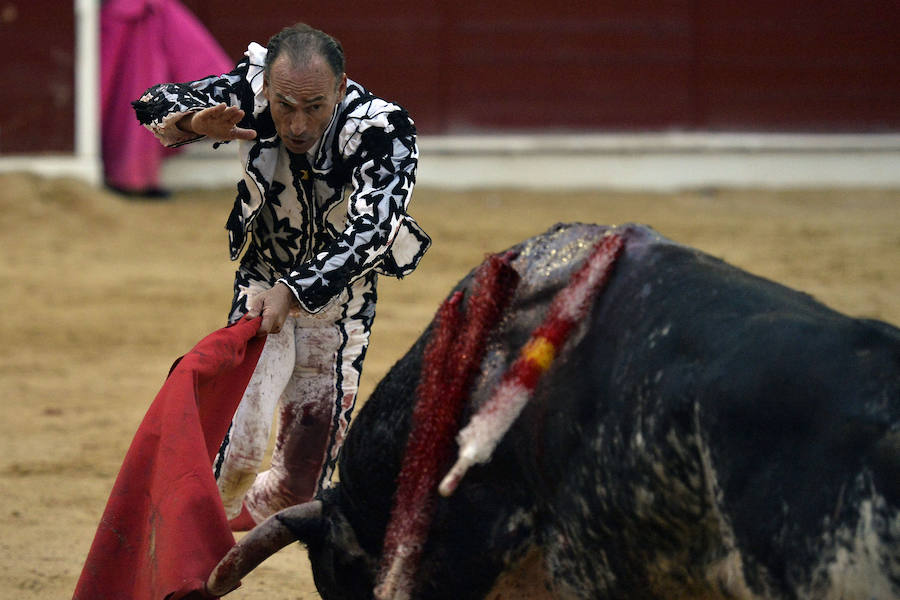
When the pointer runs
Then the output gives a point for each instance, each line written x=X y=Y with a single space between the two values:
x=164 y=526
x=142 y=43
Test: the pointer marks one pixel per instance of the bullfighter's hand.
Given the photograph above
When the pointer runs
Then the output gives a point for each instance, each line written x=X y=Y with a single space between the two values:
x=274 y=305
x=218 y=122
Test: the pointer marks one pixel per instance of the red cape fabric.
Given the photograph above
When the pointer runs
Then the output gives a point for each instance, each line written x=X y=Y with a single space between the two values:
x=164 y=527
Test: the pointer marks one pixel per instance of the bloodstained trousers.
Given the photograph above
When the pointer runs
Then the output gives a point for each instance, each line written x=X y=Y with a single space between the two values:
x=309 y=372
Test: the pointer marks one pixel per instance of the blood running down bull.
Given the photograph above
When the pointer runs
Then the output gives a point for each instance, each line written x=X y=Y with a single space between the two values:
x=700 y=433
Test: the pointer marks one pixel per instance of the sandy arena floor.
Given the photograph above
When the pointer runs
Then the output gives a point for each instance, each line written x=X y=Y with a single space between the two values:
x=102 y=294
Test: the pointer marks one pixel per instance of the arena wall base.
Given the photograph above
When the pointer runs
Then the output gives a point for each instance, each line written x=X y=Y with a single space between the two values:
x=663 y=162
x=649 y=162
x=54 y=165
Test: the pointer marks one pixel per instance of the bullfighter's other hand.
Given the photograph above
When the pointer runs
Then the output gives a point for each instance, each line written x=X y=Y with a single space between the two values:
x=218 y=122
x=274 y=305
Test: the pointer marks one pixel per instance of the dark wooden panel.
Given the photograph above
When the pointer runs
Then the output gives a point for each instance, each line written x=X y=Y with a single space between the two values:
x=394 y=49
x=37 y=41
x=803 y=65
x=502 y=65
x=398 y=56
x=573 y=66
x=829 y=65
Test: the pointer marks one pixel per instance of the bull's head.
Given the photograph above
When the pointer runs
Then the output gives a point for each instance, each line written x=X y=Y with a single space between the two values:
x=341 y=568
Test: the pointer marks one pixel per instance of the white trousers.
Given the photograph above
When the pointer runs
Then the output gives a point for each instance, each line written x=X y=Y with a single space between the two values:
x=309 y=372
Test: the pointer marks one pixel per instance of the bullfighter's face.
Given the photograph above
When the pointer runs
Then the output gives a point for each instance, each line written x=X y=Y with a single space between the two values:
x=302 y=98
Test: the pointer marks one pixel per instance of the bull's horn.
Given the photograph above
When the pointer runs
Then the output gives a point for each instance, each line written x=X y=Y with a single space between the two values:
x=261 y=542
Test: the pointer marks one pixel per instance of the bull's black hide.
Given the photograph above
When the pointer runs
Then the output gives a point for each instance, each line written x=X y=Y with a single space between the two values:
x=707 y=433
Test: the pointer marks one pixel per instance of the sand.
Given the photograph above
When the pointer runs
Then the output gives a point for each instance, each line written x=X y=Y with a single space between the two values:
x=103 y=293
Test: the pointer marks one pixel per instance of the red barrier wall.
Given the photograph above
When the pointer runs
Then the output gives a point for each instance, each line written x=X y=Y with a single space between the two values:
x=37 y=76
x=516 y=65
x=804 y=65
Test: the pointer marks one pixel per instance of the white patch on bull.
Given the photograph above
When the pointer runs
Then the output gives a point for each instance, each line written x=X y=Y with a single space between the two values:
x=638 y=442
x=727 y=573
x=643 y=500
x=520 y=519
x=861 y=558
x=583 y=507
x=654 y=335
x=694 y=492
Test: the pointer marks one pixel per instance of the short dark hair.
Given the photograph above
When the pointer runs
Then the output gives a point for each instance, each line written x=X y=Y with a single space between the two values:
x=301 y=42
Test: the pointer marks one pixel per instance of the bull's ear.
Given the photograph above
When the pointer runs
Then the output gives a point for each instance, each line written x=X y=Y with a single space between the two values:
x=341 y=535
x=263 y=541
x=342 y=569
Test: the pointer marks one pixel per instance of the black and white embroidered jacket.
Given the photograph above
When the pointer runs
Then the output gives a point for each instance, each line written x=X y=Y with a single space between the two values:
x=353 y=188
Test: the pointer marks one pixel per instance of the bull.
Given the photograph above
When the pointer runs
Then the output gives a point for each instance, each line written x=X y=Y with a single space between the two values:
x=703 y=433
